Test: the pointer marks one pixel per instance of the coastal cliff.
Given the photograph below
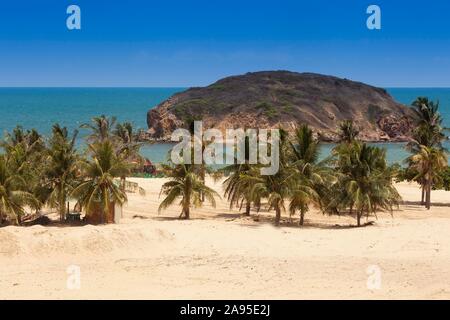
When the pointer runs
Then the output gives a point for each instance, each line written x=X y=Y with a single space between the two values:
x=271 y=99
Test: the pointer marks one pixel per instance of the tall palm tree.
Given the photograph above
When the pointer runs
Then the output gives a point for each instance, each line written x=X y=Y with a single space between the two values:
x=202 y=169
x=302 y=195
x=99 y=190
x=185 y=184
x=310 y=174
x=428 y=132
x=26 y=146
x=365 y=182
x=128 y=140
x=124 y=131
x=31 y=140
x=429 y=162
x=427 y=111
x=61 y=170
x=24 y=149
x=236 y=190
x=101 y=128
x=305 y=147
x=128 y=146
x=13 y=194
x=272 y=188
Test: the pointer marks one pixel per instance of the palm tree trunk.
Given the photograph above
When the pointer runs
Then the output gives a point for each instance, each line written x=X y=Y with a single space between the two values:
x=247 y=208
x=187 y=203
x=122 y=183
x=62 y=204
x=302 y=217
x=104 y=209
x=187 y=213
x=277 y=216
x=203 y=178
x=428 y=196
x=422 y=202
x=358 y=218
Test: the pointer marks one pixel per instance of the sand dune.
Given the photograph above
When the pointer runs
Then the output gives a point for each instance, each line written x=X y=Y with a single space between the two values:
x=221 y=255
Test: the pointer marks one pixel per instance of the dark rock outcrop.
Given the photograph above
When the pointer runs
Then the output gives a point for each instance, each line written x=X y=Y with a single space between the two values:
x=271 y=99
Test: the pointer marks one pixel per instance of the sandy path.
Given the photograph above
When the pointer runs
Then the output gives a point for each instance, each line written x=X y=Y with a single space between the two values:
x=221 y=255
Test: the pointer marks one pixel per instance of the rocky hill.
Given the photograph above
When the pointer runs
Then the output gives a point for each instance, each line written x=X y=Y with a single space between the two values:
x=281 y=98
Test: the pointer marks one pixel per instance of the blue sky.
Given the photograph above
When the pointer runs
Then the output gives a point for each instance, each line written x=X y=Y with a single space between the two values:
x=193 y=43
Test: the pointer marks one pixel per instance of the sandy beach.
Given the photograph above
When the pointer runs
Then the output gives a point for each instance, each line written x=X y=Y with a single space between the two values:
x=221 y=255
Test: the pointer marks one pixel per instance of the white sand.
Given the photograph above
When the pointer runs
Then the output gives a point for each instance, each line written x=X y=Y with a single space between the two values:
x=220 y=255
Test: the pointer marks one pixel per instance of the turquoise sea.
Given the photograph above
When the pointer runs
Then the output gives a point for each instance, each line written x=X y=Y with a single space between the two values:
x=41 y=107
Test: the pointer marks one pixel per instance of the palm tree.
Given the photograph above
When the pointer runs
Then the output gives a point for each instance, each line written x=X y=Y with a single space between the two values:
x=23 y=146
x=428 y=132
x=128 y=146
x=30 y=139
x=124 y=131
x=305 y=147
x=429 y=162
x=24 y=149
x=61 y=170
x=185 y=184
x=347 y=131
x=427 y=111
x=365 y=182
x=101 y=128
x=428 y=127
x=127 y=139
x=236 y=190
x=13 y=194
x=273 y=188
x=302 y=195
x=201 y=169
x=99 y=191
x=309 y=174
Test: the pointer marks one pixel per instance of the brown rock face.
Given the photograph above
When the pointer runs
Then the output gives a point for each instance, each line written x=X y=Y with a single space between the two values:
x=398 y=128
x=281 y=98
x=162 y=122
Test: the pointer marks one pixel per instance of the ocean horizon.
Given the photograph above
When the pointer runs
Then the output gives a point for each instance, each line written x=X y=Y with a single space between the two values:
x=41 y=107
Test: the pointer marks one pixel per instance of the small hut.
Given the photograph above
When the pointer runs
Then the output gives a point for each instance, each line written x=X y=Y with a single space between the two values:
x=97 y=215
x=149 y=168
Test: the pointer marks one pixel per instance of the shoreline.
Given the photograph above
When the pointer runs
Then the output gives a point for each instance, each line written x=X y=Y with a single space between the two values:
x=158 y=155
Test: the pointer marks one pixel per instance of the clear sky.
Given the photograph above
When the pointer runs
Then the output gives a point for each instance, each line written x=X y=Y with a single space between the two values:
x=193 y=43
